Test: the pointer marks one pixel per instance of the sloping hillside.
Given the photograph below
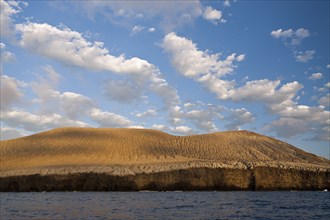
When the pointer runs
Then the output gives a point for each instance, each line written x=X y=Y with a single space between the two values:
x=132 y=151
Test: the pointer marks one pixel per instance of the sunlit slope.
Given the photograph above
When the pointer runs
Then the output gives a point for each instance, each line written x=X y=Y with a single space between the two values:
x=83 y=147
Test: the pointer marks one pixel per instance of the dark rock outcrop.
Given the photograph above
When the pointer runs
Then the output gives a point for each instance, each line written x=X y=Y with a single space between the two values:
x=260 y=178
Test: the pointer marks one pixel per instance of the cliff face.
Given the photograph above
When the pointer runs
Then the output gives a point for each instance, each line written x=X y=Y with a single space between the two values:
x=85 y=159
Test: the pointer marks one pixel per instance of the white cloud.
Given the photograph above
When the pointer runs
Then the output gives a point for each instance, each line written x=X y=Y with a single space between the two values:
x=240 y=58
x=109 y=119
x=7 y=56
x=75 y=105
x=304 y=56
x=302 y=33
x=36 y=123
x=226 y=3
x=282 y=33
x=147 y=114
x=212 y=15
x=137 y=29
x=325 y=100
x=121 y=91
x=298 y=119
x=191 y=62
x=176 y=130
x=10 y=91
x=288 y=127
x=159 y=127
x=203 y=116
x=328 y=66
x=208 y=70
x=7 y=133
x=52 y=74
x=54 y=109
x=316 y=76
x=327 y=85
x=278 y=99
x=267 y=92
x=169 y=14
x=7 y=11
x=71 y=105
x=183 y=130
x=238 y=118
x=322 y=134
x=152 y=29
x=71 y=48
x=294 y=37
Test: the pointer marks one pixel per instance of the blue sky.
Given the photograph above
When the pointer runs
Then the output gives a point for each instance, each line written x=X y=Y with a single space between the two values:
x=183 y=67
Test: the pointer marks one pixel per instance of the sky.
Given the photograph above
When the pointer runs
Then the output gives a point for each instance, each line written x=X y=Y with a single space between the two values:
x=182 y=67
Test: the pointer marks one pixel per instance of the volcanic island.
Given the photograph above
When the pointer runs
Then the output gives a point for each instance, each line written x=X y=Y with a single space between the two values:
x=125 y=159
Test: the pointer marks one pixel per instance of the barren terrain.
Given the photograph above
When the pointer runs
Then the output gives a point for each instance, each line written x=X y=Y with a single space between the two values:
x=134 y=151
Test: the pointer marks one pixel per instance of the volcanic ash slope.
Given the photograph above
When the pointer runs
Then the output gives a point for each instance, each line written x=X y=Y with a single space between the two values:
x=128 y=151
x=133 y=152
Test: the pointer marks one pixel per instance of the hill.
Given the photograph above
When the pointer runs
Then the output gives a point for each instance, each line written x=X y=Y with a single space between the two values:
x=133 y=152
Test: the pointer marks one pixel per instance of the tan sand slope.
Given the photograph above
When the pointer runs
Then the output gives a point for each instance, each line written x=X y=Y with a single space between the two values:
x=130 y=151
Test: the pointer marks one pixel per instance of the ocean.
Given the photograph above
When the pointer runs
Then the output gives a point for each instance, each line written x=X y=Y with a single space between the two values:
x=166 y=205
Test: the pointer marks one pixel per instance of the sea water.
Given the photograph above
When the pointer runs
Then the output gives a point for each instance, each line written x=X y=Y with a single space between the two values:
x=165 y=205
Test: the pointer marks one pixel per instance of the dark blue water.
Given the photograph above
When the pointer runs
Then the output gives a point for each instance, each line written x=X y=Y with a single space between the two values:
x=166 y=205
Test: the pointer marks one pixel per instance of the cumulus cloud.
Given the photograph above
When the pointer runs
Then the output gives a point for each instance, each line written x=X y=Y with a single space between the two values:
x=183 y=130
x=152 y=29
x=169 y=14
x=8 y=9
x=278 y=98
x=288 y=127
x=226 y=3
x=70 y=47
x=136 y=29
x=75 y=105
x=70 y=104
x=51 y=73
x=269 y=92
x=176 y=130
x=316 y=76
x=7 y=56
x=109 y=119
x=147 y=114
x=121 y=91
x=238 y=118
x=52 y=108
x=204 y=118
x=213 y=15
x=35 y=123
x=304 y=56
x=325 y=100
x=191 y=62
x=208 y=70
x=10 y=91
x=294 y=37
x=299 y=119
x=7 y=133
